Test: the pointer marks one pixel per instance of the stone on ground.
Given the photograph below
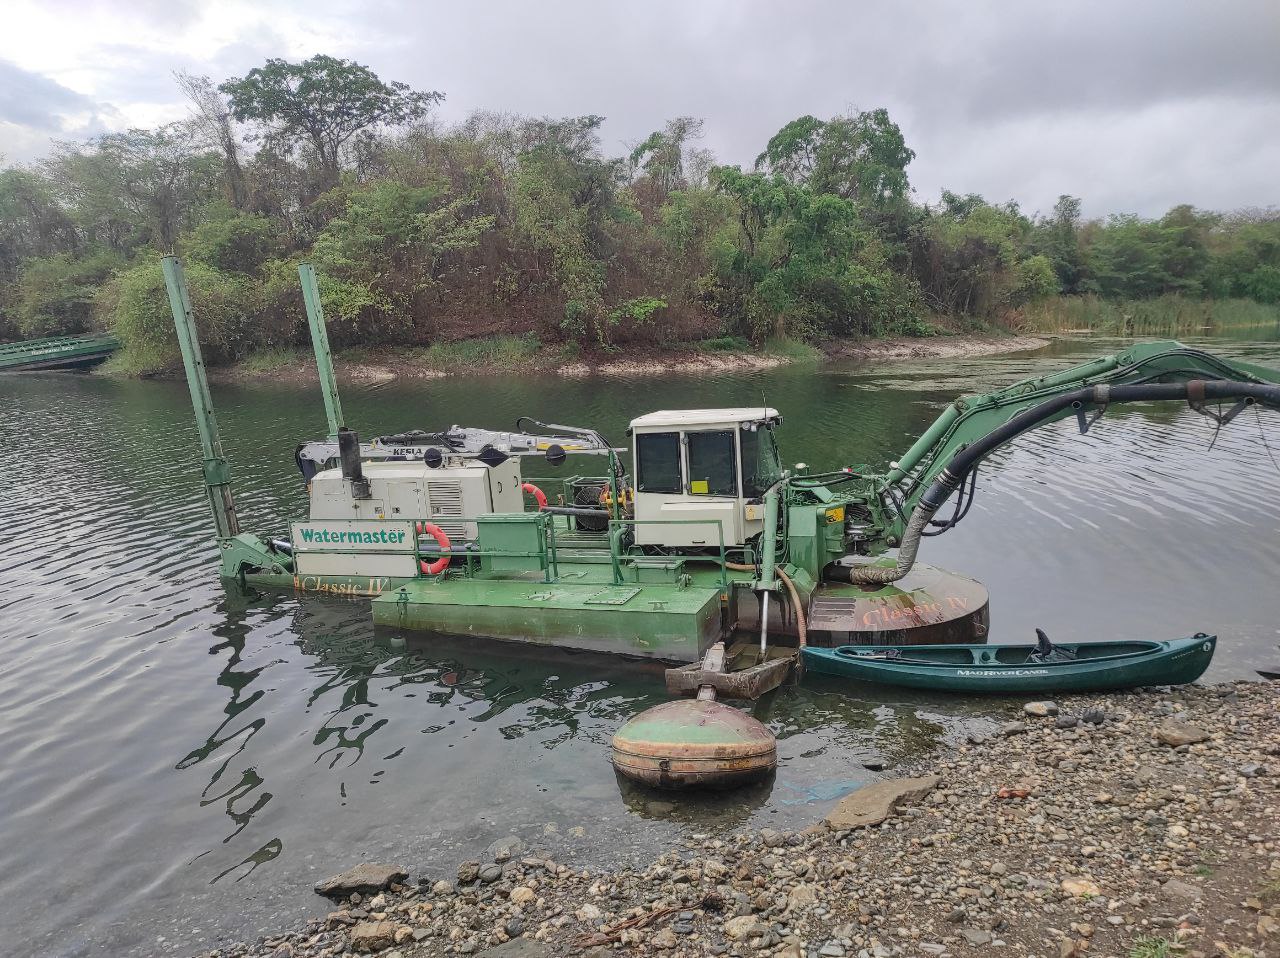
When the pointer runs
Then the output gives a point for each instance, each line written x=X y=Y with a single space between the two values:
x=1080 y=887
x=373 y=935
x=1176 y=888
x=365 y=877
x=875 y=803
x=1176 y=732
x=517 y=948
x=744 y=927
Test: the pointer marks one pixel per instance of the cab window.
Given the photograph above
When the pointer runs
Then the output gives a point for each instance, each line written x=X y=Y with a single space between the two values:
x=658 y=462
x=761 y=467
x=711 y=463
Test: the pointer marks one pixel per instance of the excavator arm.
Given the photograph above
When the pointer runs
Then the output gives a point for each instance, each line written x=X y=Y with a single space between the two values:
x=904 y=501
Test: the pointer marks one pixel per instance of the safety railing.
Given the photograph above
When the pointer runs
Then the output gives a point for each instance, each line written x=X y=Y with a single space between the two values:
x=548 y=552
x=618 y=526
x=545 y=554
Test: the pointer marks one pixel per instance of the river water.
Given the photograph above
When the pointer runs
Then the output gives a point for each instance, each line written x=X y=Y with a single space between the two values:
x=182 y=762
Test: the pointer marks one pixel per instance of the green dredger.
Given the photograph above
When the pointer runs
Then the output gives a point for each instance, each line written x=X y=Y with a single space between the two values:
x=706 y=537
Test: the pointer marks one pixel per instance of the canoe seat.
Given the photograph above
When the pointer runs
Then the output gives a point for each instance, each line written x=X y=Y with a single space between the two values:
x=986 y=656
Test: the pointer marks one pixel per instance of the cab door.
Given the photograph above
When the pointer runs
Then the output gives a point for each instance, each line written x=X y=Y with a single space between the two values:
x=692 y=476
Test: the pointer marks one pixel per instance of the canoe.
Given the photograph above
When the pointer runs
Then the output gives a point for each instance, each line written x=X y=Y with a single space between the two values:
x=1271 y=674
x=1087 y=667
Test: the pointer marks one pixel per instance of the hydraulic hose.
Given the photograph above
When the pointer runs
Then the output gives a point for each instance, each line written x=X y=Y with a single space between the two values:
x=1196 y=392
x=802 y=625
x=882 y=575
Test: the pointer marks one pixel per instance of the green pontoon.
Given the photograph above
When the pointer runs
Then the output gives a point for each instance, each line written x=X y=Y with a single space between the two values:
x=1020 y=669
x=57 y=353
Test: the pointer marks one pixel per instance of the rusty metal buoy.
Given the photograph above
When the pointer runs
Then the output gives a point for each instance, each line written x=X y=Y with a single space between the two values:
x=692 y=743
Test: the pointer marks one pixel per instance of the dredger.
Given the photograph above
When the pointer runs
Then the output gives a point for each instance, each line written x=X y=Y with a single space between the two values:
x=707 y=553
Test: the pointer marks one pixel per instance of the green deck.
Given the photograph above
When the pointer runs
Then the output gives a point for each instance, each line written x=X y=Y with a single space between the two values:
x=584 y=609
x=57 y=352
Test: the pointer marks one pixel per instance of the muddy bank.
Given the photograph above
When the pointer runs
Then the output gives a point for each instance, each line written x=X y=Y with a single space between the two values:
x=301 y=369
x=942 y=347
x=1143 y=823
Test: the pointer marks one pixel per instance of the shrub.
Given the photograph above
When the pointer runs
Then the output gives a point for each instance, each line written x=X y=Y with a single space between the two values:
x=1036 y=281
x=55 y=293
x=136 y=305
x=233 y=243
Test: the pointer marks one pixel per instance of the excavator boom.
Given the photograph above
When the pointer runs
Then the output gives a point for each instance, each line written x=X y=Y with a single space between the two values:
x=904 y=500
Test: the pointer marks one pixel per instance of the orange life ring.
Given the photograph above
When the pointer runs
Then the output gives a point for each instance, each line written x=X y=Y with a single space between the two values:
x=433 y=530
x=538 y=494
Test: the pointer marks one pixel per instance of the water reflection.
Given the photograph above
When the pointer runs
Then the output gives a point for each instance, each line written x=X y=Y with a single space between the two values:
x=202 y=756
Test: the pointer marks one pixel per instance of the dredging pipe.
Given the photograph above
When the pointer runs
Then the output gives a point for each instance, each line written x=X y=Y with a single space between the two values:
x=1195 y=391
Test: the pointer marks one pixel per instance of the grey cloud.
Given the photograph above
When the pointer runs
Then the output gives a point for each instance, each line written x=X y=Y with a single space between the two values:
x=1005 y=98
x=1134 y=106
x=29 y=99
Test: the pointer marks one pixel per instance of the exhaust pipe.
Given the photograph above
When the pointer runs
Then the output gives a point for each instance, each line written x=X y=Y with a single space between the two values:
x=352 y=469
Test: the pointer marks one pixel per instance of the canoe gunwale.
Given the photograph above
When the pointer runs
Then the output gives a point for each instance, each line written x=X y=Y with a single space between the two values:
x=847 y=653
x=1167 y=662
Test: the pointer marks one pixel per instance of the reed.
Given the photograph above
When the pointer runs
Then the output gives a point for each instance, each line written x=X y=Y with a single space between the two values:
x=1163 y=315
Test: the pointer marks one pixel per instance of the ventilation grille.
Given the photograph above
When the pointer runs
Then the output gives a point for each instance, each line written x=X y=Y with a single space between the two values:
x=446 y=501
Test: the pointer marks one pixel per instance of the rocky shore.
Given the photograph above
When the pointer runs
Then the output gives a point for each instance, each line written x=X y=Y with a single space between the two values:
x=1141 y=824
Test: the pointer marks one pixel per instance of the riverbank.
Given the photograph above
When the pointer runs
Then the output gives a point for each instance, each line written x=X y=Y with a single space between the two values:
x=1144 y=824
x=506 y=356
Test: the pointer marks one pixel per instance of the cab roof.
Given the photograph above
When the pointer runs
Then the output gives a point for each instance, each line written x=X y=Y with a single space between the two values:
x=705 y=417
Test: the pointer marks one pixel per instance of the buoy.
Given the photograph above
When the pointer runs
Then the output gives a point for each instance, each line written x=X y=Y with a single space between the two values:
x=692 y=743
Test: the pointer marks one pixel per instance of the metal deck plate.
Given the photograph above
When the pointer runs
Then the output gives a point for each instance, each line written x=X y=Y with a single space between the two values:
x=614 y=596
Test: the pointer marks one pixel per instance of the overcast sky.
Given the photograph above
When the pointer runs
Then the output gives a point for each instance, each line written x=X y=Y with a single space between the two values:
x=1134 y=106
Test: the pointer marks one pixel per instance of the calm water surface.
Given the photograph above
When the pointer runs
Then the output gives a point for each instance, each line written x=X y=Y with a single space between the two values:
x=182 y=762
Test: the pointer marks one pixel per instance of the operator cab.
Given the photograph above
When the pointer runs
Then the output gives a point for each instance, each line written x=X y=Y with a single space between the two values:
x=695 y=468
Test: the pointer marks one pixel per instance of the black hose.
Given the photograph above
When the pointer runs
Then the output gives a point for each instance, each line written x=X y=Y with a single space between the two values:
x=576 y=511
x=963 y=501
x=953 y=476
x=1196 y=390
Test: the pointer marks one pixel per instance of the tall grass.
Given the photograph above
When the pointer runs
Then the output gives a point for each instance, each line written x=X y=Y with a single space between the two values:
x=1145 y=317
x=488 y=352
x=793 y=350
x=272 y=358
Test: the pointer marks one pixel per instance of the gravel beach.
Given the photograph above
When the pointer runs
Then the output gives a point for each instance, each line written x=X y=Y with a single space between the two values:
x=1137 y=824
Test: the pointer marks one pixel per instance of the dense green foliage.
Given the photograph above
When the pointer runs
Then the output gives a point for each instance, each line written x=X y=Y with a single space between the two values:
x=522 y=231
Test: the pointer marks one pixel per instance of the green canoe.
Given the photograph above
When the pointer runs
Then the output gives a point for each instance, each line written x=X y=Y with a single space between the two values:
x=1087 y=667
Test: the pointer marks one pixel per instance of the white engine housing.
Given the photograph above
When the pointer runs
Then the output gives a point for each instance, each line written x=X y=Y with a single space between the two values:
x=458 y=490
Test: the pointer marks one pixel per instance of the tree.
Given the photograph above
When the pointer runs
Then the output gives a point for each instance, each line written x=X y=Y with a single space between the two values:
x=323 y=102
x=805 y=264
x=390 y=245
x=137 y=187
x=55 y=294
x=967 y=257
x=212 y=117
x=1058 y=239
x=1136 y=258
x=232 y=242
x=662 y=155
x=31 y=221
x=862 y=157
x=562 y=193
x=792 y=152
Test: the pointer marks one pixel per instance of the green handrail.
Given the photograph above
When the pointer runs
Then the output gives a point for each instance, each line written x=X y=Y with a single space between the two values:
x=615 y=538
